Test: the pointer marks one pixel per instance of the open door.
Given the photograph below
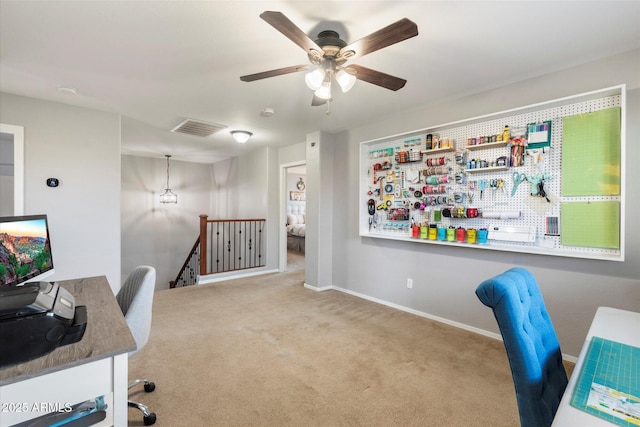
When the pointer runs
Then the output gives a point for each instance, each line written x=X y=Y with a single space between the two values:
x=294 y=207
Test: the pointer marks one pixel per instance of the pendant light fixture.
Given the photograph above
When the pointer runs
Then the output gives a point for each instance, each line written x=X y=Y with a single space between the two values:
x=168 y=196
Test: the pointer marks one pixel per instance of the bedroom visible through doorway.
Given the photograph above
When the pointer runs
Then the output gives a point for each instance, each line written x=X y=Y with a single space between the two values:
x=296 y=178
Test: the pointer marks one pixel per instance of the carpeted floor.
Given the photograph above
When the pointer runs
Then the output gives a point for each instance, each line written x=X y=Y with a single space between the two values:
x=264 y=351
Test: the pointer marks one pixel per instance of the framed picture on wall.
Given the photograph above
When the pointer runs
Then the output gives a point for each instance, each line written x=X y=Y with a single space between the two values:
x=298 y=196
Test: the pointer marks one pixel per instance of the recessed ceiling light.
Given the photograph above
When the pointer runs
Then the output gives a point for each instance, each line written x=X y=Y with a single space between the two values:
x=68 y=90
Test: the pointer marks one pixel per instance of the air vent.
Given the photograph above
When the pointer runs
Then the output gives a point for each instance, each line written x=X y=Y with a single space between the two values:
x=197 y=128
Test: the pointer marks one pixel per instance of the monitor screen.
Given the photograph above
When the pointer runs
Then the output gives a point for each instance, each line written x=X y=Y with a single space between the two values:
x=25 y=249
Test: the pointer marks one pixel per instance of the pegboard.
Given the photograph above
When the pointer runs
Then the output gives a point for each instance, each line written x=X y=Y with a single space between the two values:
x=428 y=184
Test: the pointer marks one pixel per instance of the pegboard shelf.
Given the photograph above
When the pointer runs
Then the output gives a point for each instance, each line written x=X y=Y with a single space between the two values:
x=538 y=227
x=488 y=169
x=487 y=145
x=435 y=151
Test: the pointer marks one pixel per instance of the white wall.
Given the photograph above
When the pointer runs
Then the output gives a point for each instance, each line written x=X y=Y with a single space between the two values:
x=81 y=148
x=294 y=153
x=445 y=278
x=248 y=187
x=156 y=234
x=224 y=200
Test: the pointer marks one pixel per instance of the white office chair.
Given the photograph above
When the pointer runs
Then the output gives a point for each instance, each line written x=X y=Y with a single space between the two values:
x=136 y=301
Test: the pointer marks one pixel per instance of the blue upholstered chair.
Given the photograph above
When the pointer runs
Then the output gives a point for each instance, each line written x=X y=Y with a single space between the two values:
x=136 y=302
x=531 y=343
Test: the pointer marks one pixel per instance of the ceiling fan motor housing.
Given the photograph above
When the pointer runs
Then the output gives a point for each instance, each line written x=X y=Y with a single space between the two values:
x=331 y=43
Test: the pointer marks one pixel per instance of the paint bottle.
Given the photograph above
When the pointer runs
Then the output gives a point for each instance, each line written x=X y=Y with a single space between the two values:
x=429 y=144
x=506 y=133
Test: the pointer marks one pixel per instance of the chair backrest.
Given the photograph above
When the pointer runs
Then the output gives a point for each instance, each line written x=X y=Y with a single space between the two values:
x=136 y=302
x=531 y=343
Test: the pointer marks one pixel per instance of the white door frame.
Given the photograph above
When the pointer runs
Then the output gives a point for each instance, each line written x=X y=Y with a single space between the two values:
x=18 y=166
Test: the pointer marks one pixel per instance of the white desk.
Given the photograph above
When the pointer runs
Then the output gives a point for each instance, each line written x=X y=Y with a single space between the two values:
x=96 y=365
x=611 y=324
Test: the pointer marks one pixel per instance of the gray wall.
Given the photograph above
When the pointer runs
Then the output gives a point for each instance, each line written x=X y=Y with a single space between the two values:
x=445 y=278
x=81 y=148
x=154 y=233
x=248 y=187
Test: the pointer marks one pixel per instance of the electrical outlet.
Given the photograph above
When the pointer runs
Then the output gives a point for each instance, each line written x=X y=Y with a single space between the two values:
x=410 y=283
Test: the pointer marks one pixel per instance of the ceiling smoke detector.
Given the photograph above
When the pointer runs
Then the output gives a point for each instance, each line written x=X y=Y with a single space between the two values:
x=267 y=112
x=197 y=128
x=68 y=90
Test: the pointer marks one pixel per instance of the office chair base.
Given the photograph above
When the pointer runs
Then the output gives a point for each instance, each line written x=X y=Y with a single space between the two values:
x=148 y=417
x=149 y=386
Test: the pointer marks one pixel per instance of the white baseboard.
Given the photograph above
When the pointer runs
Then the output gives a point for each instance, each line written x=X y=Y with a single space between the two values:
x=317 y=289
x=219 y=277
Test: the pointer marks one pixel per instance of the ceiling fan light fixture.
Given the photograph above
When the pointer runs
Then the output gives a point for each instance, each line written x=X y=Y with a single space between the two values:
x=314 y=78
x=345 y=79
x=325 y=90
x=241 y=136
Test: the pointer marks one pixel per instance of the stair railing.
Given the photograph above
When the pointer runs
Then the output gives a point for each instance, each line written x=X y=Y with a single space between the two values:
x=223 y=246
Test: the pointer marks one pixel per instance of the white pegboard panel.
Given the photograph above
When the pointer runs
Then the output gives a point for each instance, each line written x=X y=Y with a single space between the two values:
x=390 y=181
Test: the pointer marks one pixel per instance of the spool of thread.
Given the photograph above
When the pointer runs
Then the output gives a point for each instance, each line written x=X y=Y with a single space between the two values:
x=451 y=234
x=471 y=235
x=433 y=233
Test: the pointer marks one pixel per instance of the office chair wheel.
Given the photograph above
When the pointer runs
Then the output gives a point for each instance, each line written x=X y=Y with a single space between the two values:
x=149 y=419
x=149 y=387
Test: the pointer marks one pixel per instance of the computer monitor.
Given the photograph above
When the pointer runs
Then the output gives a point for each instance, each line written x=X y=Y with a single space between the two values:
x=25 y=250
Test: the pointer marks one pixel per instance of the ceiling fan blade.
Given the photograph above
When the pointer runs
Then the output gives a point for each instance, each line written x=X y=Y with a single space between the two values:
x=273 y=73
x=391 y=34
x=378 y=78
x=317 y=101
x=281 y=23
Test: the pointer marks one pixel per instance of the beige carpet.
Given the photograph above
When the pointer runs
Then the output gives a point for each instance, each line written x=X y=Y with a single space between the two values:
x=265 y=351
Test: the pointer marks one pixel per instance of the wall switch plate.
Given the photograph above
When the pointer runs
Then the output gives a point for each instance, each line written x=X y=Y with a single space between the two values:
x=410 y=283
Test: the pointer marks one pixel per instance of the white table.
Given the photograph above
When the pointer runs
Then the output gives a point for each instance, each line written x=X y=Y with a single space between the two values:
x=611 y=324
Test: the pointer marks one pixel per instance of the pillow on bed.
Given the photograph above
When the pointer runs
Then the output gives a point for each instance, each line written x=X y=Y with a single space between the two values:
x=292 y=219
x=300 y=219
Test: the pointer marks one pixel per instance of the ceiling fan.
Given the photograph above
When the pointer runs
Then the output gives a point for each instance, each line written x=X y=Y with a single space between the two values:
x=329 y=53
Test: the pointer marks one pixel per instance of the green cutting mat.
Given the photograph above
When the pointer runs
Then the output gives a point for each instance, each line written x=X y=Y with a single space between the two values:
x=609 y=382
x=591 y=153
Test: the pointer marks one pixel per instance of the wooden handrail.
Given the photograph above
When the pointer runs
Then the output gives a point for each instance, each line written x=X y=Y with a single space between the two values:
x=204 y=244
x=248 y=242
x=234 y=220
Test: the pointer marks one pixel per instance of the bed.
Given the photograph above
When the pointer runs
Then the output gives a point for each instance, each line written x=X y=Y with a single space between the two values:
x=296 y=222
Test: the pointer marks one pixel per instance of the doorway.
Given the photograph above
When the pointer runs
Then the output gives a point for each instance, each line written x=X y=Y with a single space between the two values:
x=294 y=207
x=11 y=170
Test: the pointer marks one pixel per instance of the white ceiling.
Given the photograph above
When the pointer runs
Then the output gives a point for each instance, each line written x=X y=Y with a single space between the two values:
x=159 y=62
